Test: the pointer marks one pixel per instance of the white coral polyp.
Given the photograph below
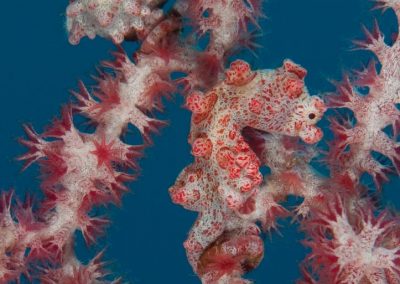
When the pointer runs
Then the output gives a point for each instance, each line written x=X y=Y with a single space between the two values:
x=107 y=18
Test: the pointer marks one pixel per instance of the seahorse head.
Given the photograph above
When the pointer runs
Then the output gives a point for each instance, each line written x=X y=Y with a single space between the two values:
x=277 y=101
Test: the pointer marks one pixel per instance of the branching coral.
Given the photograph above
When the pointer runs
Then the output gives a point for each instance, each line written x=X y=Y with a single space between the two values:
x=114 y=19
x=373 y=112
x=354 y=247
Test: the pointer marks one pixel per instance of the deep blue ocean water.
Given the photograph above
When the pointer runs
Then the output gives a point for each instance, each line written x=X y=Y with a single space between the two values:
x=39 y=67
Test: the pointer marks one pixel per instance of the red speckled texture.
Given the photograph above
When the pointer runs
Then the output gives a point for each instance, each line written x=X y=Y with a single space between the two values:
x=225 y=173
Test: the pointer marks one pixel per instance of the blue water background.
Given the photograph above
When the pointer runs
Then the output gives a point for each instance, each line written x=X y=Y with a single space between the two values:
x=39 y=67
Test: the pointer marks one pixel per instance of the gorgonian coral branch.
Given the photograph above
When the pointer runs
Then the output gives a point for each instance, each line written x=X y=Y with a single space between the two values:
x=113 y=19
x=352 y=149
x=352 y=245
x=353 y=240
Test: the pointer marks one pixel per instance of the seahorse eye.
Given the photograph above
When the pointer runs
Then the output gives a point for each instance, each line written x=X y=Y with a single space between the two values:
x=311 y=116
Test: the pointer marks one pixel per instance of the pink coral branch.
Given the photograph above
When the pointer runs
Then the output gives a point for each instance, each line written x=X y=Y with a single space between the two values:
x=373 y=112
